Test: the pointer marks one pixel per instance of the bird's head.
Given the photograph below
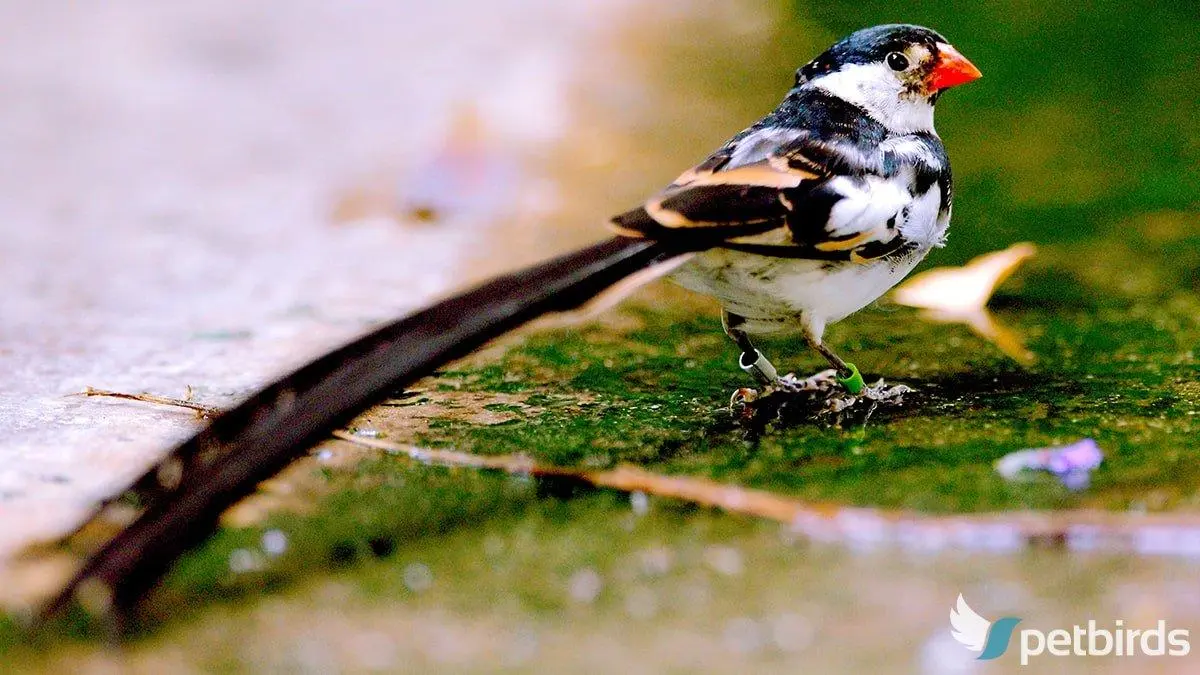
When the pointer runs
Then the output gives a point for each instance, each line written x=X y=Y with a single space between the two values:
x=895 y=72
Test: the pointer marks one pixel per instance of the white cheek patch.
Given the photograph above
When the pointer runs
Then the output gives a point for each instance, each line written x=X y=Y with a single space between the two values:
x=859 y=82
x=875 y=88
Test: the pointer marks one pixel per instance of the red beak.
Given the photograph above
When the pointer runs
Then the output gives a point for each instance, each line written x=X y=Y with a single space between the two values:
x=952 y=69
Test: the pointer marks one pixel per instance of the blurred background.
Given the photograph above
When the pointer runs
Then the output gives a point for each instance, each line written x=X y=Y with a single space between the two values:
x=210 y=192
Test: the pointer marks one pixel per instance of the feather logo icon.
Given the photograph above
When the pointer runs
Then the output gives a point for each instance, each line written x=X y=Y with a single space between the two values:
x=978 y=634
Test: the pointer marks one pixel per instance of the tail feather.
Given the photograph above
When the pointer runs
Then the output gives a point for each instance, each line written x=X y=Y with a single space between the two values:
x=182 y=497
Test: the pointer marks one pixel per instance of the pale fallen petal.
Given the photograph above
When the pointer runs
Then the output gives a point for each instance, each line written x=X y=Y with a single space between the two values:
x=982 y=323
x=960 y=295
x=963 y=288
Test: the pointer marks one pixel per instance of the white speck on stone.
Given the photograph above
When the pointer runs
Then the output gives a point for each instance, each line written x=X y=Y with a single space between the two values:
x=418 y=577
x=640 y=502
x=325 y=455
x=584 y=586
x=244 y=560
x=274 y=542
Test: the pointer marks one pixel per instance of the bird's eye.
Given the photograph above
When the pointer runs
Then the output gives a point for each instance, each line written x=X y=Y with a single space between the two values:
x=897 y=61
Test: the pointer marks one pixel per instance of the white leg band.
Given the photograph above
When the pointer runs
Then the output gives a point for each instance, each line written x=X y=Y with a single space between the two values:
x=760 y=368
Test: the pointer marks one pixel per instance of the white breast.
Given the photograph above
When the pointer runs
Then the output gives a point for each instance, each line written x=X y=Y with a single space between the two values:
x=778 y=293
x=923 y=224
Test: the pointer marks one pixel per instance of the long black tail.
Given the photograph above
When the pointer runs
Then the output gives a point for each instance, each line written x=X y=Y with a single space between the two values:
x=184 y=494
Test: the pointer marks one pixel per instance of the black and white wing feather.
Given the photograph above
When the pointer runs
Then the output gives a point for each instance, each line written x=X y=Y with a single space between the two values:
x=783 y=192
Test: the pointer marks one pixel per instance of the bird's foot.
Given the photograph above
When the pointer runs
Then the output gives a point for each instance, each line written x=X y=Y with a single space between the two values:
x=823 y=384
x=820 y=395
x=872 y=395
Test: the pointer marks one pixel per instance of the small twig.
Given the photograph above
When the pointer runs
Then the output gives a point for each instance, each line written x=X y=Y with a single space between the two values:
x=205 y=411
x=1081 y=530
x=1085 y=530
x=150 y=486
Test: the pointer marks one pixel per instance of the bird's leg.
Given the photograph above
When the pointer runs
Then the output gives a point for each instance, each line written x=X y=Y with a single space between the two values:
x=751 y=360
x=833 y=391
x=847 y=374
x=843 y=369
x=852 y=381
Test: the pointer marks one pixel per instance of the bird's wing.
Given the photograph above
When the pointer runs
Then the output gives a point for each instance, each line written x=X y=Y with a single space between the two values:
x=719 y=199
x=799 y=198
x=967 y=627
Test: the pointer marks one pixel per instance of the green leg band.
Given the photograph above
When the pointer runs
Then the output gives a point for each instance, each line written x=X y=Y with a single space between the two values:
x=854 y=383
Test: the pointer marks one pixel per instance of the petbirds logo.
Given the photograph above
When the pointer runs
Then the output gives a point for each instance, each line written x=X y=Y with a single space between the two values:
x=991 y=639
x=978 y=634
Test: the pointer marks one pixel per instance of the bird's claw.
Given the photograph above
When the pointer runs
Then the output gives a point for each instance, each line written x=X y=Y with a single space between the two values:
x=820 y=394
x=875 y=394
x=825 y=382
x=743 y=396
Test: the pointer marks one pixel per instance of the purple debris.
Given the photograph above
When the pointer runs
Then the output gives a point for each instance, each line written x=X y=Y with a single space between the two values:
x=1072 y=464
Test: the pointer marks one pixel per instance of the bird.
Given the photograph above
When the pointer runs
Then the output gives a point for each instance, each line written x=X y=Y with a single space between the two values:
x=825 y=203
x=798 y=221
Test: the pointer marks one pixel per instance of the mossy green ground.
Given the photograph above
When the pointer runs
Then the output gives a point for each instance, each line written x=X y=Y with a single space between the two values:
x=1079 y=139
x=650 y=389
